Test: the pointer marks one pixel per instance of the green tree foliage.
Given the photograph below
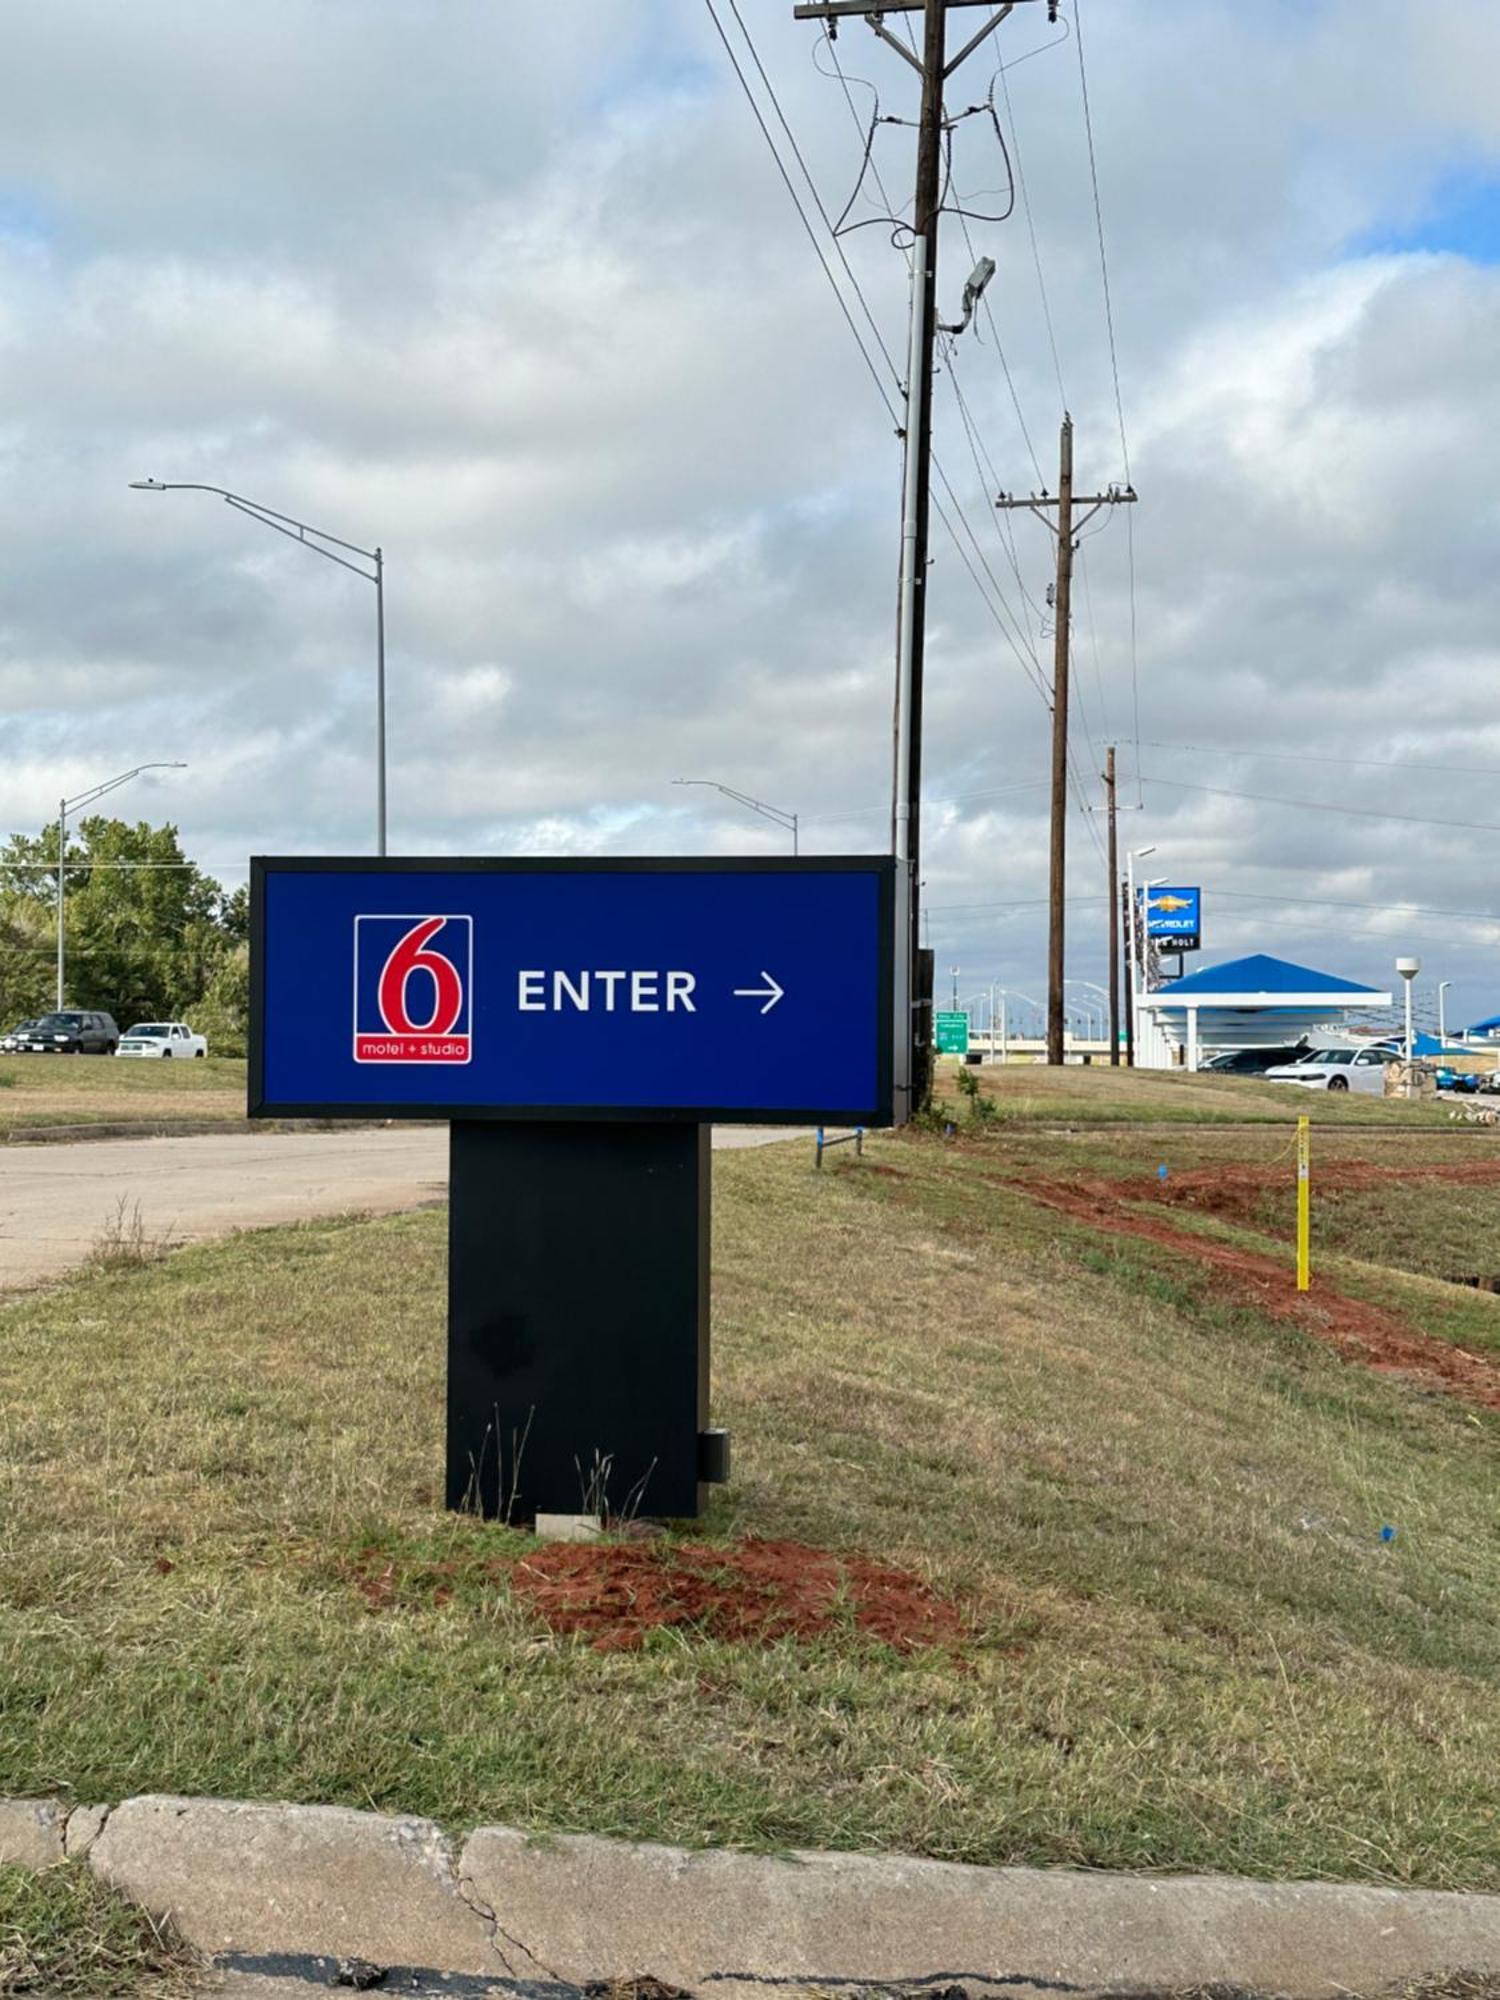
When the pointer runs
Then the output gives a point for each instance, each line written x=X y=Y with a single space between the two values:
x=148 y=933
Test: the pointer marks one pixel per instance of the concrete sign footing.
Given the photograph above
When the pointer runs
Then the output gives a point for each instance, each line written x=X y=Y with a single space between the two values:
x=277 y=1885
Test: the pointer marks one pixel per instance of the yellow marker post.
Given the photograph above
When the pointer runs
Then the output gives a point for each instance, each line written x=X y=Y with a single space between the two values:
x=1304 y=1193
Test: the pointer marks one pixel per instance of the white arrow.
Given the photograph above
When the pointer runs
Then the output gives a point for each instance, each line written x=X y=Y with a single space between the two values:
x=770 y=992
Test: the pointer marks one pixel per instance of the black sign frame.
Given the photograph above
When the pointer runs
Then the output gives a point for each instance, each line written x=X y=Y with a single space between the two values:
x=881 y=867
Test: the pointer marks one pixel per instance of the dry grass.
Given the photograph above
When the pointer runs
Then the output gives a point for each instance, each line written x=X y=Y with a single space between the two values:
x=97 y=1090
x=1191 y=1647
x=1096 y=1094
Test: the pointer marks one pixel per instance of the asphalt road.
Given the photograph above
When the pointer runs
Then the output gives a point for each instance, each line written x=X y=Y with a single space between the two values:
x=57 y=1200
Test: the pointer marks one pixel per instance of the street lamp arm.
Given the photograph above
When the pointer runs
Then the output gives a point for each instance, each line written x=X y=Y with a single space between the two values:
x=774 y=813
x=112 y=784
x=286 y=524
x=299 y=531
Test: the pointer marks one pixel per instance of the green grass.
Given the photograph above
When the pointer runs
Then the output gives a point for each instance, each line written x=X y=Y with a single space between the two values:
x=1026 y=1093
x=63 y=1936
x=1191 y=1648
x=98 y=1090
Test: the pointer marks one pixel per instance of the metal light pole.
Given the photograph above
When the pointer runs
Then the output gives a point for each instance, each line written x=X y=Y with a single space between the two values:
x=1409 y=968
x=774 y=813
x=1133 y=967
x=301 y=531
x=64 y=807
x=1103 y=992
x=1443 y=985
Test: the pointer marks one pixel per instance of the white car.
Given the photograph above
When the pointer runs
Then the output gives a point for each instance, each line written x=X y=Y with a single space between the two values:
x=1336 y=1069
x=161 y=1039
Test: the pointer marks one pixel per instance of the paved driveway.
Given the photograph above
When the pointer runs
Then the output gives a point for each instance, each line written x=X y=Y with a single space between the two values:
x=55 y=1200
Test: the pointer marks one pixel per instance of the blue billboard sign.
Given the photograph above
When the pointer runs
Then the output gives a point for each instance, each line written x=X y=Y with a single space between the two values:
x=1174 y=917
x=700 y=991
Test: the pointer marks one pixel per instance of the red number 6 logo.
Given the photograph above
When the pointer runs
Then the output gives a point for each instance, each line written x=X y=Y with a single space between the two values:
x=412 y=956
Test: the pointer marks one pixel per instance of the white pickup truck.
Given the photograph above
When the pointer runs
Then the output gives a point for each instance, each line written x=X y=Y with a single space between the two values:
x=161 y=1039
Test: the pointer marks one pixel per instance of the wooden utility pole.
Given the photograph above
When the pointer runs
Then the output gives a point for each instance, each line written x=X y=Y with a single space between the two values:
x=1066 y=529
x=913 y=1026
x=1114 y=909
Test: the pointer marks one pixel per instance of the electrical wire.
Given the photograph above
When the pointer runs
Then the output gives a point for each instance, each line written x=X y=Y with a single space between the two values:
x=1324 y=805
x=1036 y=255
x=1302 y=757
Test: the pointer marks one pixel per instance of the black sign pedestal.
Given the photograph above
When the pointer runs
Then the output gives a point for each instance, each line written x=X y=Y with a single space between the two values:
x=578 y=1343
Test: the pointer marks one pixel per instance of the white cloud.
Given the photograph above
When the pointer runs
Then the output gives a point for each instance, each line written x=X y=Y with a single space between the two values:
x=524 y=301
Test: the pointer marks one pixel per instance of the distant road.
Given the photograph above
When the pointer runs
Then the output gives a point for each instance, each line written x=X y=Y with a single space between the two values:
x=55 y=1200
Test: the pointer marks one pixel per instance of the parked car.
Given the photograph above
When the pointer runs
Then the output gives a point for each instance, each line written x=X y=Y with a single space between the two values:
x=16 y=1040
x=1254 y=1062
x=1336 y=1069
x=1462 y=1082
x=161 y=1039
x=73 y=1033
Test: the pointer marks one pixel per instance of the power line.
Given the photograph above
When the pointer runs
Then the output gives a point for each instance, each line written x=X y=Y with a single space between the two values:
x=1340 y=903
x=1109 y=310
x=1324 y=805
x=833 y=283
x=1302 y=757
x=1036 y=255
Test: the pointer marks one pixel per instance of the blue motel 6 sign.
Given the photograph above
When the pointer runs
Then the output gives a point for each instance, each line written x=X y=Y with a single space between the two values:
x=625 y=990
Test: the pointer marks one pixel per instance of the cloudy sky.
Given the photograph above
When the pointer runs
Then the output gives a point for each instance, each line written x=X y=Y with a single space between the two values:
x=517 y=292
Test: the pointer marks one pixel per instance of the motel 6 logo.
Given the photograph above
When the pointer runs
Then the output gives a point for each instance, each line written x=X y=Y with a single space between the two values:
x=413 y=989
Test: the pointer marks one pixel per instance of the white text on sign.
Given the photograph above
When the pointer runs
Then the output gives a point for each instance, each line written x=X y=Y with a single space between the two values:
x=606 y=992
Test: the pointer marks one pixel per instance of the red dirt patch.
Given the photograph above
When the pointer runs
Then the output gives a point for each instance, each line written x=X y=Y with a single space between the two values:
x=752 y=1594
x=1360 y=1332
x=1235 y=1193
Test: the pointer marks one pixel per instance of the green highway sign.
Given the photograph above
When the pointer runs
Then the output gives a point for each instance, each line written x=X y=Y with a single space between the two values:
x=952 y=1034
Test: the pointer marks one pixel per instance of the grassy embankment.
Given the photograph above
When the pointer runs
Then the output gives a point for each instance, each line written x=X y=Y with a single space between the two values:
x=1161 y=1507
x=104 y=1090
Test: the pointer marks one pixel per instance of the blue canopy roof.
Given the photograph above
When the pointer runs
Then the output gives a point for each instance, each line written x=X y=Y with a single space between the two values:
x=1484 y=1027
x=1262 y=974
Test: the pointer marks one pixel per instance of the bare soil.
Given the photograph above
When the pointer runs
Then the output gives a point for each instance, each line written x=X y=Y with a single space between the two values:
x=1361 y=1332
x=753 y=1593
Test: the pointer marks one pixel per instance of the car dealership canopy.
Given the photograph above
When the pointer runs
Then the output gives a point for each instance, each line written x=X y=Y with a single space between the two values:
x=1255 y=1002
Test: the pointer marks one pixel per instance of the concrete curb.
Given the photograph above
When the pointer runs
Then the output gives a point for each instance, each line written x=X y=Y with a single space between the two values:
x=286 y=1882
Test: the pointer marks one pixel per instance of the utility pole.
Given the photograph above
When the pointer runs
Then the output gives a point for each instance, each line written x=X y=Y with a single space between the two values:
x=1066 y=530
x=1114 y=910
x=913 y=1023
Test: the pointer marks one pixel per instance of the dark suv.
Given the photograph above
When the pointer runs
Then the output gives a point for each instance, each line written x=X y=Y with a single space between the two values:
x=1254 y=1062
x=73 y=1034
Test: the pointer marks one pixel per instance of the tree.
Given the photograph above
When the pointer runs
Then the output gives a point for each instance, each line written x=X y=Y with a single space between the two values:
x=144 y=930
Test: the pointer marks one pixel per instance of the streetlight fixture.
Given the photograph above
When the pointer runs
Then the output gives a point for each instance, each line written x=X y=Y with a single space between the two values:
x=787 y=820
x=1409 y=968
x=315 y=539
x=64 y=807
x=1443 y=985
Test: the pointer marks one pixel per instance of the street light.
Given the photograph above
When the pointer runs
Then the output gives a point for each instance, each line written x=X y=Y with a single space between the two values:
x=775 y=813
x=1408 y=968
x=1443 y=985
x=1134 y=969
x=1103 y=993
x=64 y=807
x=299 y=531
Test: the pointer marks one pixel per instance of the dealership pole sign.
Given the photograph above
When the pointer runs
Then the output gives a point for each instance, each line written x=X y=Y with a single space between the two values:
x=580 y=1024
x=1174 y=918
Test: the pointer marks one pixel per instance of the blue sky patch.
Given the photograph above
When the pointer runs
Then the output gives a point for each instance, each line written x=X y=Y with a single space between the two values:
x=1462 y=218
